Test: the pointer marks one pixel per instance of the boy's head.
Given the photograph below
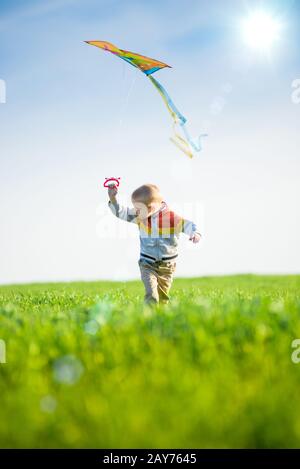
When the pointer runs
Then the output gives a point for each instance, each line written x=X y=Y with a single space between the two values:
x=146 y=199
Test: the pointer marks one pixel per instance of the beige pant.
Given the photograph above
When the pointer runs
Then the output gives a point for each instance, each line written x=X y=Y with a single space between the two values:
x=157 y=279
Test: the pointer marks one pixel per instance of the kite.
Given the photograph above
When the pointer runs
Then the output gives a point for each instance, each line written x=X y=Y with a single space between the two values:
x=149 y=66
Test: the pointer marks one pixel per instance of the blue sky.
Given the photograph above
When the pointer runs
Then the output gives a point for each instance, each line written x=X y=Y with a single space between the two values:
x=75 y=115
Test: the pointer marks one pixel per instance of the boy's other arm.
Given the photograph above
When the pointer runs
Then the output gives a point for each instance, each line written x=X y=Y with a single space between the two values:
x=190 y=229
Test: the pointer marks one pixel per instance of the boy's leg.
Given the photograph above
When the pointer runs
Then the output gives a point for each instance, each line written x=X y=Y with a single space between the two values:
x=148 y=276
x=164 y=279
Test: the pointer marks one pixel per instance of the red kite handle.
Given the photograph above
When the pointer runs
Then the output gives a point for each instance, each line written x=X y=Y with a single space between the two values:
x=108 y=180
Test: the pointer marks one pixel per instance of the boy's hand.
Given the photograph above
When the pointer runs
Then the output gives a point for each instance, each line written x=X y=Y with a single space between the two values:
x=112 y=192
x=195 y=238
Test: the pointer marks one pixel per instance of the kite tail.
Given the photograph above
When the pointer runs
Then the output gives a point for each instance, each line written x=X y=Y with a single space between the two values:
x=186 y=145
x=168 y=101
x=195 y=143
x=181 y=143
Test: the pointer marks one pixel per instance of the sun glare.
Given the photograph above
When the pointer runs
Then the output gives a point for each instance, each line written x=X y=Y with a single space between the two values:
x=261 y=30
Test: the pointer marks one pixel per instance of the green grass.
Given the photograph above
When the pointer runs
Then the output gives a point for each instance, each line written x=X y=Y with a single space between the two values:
x=89 y=366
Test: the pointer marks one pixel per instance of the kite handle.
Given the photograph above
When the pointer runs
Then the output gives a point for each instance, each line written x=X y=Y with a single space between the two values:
x=115 y=180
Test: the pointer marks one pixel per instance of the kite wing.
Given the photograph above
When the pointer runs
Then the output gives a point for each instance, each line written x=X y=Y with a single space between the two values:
x=145 y=64
x=149 y=66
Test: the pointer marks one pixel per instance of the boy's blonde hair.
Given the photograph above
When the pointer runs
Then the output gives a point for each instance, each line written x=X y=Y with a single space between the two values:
x=147 y=194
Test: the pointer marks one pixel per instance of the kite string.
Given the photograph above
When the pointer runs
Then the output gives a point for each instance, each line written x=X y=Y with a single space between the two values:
x=125 y=103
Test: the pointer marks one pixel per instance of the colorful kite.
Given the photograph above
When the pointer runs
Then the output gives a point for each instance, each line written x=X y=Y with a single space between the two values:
x=149 y=66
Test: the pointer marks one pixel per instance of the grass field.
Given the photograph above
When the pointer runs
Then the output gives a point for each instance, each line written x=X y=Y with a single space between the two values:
x=89 y=366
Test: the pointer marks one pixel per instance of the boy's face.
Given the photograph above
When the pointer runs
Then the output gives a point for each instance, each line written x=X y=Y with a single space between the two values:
x=145 y=210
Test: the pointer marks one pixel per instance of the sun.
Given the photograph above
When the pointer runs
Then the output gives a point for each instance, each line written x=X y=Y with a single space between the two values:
x=261 y=30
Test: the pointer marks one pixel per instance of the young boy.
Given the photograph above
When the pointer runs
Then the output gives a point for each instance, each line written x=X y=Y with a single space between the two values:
x=159 y=230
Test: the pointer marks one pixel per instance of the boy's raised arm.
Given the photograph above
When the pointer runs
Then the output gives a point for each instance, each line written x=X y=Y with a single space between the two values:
x=124 y=213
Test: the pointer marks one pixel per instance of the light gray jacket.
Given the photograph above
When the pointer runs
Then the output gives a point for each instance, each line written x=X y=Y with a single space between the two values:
x=159 y=233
